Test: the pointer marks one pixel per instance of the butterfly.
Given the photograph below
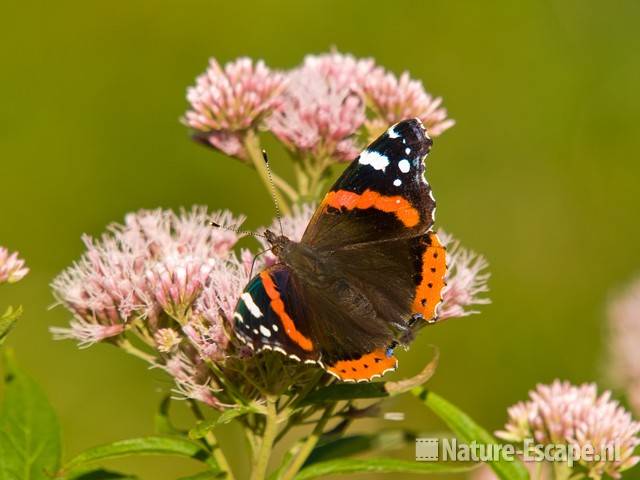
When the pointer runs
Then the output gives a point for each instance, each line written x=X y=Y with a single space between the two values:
x=367 y=272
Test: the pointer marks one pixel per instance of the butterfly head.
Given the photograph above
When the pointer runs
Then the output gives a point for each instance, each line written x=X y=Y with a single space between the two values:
x=280 y=245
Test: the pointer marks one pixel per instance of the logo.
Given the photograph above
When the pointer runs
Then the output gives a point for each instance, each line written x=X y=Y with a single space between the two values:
x=451 y=450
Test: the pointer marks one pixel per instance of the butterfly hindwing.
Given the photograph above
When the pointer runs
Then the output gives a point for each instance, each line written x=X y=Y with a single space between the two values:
x=381 y=195
x=268 y=316
x=401 y=277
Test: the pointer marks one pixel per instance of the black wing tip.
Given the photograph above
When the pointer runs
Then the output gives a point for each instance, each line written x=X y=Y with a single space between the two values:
x=413 y=132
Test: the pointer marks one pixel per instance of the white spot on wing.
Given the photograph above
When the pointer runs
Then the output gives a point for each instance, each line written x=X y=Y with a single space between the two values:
x=251 y=305
x=404 y=166
x=265 y=331
x=238 y=317
x=397 y=182
x=274 y=327
x=407 y=150
x=392 y=133
x=374 y=159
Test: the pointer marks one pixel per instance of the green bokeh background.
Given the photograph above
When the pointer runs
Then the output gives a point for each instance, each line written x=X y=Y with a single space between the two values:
x=540 y=174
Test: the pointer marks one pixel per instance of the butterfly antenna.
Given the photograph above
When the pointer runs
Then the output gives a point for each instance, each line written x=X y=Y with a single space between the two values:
x=273 y=189
x=235 y=230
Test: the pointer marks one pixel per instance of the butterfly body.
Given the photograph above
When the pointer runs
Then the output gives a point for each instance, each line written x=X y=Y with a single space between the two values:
x=366 y=271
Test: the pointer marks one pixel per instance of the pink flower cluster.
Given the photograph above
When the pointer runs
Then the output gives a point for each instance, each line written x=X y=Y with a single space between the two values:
x=467 y=278
x=170 y=278
x=226 y=102
x=318 y=109
x=12 y=267
x=624 y=333
x=562 y=413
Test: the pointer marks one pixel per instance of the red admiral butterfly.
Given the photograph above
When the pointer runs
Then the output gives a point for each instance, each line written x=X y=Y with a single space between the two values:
x=367 y=272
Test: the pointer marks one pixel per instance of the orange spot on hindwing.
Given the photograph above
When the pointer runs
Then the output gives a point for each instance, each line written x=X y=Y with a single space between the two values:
x=278 y=307
x=365 y=368
x=432 y=278
x=399 y=206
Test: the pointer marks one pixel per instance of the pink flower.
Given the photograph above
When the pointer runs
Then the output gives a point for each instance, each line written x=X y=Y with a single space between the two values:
x=107 y=284
x=163 y=233
x=485 y=473
x=394 y=99
x=624 y=337
x=224 y=287
x=561 y=413
x=86 y=332
x=156 y=261
x=209 y=338
x=226 y=102
x=12 y=268
x=191 y=380
x=167 y=340
x=176 y=282
x=466 y=279
x=320 y=114
x=343 y=70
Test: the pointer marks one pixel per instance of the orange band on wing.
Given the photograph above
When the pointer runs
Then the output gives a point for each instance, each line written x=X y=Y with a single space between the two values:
x=366 y=367
x=278 y=306
x=397 y=205
x=434 y=267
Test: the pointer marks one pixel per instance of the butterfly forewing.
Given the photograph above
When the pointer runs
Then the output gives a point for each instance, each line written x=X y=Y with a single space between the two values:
x=381 y=195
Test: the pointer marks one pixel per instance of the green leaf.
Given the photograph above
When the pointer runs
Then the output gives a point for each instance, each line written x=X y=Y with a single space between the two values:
x=100 y=474
x=162 y=419
x=29 y=430
x=380 y=465
x=346 y=391
x=202 y=428
x=354 y=444
x=203 y=476
x=468 y=431
x=8 y=321
x=143 y=446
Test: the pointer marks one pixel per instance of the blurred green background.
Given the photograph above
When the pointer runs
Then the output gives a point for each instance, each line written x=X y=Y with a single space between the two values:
x=540 y=174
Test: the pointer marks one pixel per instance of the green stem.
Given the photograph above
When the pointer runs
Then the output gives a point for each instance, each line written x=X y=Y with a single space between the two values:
x=252 y=144
x=561 y=471
x=316 y=173
x=213 y=444
x=261 y=461
x=287 y=189
x=128 y=347
x=308 y=446
x=301 y=178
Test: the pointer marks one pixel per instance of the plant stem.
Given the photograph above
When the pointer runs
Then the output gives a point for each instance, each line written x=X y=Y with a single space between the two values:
x=561 y=471
x=301 y=177
x=287 y=189
x=316 y=171
x=252 y=144
x=128 y=347
x=213 y=444
x=261 y=461
x=308 y=446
